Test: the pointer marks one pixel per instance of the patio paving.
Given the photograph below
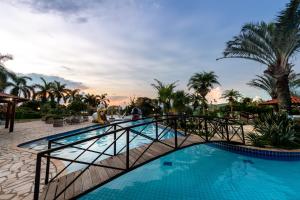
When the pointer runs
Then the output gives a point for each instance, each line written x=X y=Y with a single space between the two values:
x=17 y=166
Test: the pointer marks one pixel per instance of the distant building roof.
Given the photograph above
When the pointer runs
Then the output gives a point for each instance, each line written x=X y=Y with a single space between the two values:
x=294 y=100
x=8 y=97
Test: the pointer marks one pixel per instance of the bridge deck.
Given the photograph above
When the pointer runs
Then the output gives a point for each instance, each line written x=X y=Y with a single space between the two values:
x=95 y=176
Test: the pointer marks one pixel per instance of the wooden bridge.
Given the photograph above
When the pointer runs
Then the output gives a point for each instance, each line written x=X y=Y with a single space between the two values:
x=187 y=131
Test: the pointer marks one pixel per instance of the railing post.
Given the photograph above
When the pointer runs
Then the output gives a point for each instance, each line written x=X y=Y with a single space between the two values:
x=127 y=149
x=243 y=135
x=48 y=164
x=185 y=125
x=175 y=128
x=206 y=129
x=37 y=177
x=227 y=129
x=115 y=142
x=156 y=130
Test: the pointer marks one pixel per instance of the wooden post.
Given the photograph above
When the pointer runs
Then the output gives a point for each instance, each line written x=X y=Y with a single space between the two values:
x=12 y=117
x=7 y=114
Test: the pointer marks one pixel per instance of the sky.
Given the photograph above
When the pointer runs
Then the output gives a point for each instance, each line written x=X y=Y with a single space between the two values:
x=119 y=46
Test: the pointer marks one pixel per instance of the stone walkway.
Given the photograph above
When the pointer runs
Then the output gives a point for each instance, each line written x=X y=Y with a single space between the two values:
x=17 y=166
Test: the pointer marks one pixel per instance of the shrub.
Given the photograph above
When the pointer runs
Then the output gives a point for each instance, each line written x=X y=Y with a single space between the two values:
x=274 y=129
x=76 y=107
x=27 y=113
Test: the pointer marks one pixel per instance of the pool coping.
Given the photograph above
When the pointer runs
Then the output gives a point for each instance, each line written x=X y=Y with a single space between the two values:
x=251 y=151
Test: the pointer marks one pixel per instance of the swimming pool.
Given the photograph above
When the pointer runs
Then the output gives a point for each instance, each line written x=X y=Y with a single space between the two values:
x=101 y=144
x=205 y=172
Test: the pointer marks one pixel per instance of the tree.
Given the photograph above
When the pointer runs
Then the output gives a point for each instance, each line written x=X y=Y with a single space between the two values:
x=59 y=91
x=232 y=97
x=268 y=84
x=202 y=84
x=19 y=87
x=164 y=93
x=4 y=73
x=91 y=100
x=74 y=95
x=146 y=105
x=45 y=91
x=102 y=99
x=273 y=45
x=181 y=101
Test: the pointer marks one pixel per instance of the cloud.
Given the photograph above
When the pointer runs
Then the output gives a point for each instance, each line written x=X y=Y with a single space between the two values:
x=214 y=96
x=70 y=84
x=119 y=46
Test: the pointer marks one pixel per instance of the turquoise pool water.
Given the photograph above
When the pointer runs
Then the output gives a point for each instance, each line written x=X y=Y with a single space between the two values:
x=101 y=144
x=207 y=173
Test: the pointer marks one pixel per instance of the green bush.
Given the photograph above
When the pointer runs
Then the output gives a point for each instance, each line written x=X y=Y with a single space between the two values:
x=76 y=107
x=275 y=130
x=27 y=113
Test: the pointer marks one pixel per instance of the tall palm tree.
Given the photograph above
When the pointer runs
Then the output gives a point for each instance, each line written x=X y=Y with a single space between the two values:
x=273 y=45
x=19 y=87
x=268 y=83
x=4 y=73
x=202 y=83
x=232 y=97
x=59 y=91
x=164 y=93
x=45 y=91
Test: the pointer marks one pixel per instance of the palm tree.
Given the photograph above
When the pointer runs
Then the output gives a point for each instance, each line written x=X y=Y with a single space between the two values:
x=102 y=99
x=4 y=73
x=91 y=100
x=231 y=96
x=268 y=83
x=74 y=95
x=180 y=101
x=202 y=84
x=273 y=45
x=19 y=87
x=164 y=92
x=45 y=90
x=59 y=91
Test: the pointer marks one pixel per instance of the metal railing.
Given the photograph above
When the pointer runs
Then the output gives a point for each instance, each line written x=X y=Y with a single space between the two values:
x=207 y=128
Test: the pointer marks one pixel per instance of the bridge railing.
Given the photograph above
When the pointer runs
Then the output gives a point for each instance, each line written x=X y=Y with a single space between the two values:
x=121 y=139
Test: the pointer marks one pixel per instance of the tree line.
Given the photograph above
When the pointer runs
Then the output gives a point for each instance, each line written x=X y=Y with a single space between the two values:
x=47 y=91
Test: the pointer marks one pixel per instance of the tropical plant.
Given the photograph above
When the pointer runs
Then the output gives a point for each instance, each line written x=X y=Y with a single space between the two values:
x=202 y=84
x=59 y=91
x=146 y=105
x=45 y=91
x=164 y=93
x=274 y=129
x=273 y=45
x=181 y=101
x=4 y=73
x=232 y=97
x=19 y=87
x=92 y=100
x=102 y=99
x=73 y=95
x=268 y=84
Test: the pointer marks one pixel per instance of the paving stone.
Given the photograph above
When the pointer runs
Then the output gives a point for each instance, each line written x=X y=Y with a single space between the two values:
x=17 y=166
